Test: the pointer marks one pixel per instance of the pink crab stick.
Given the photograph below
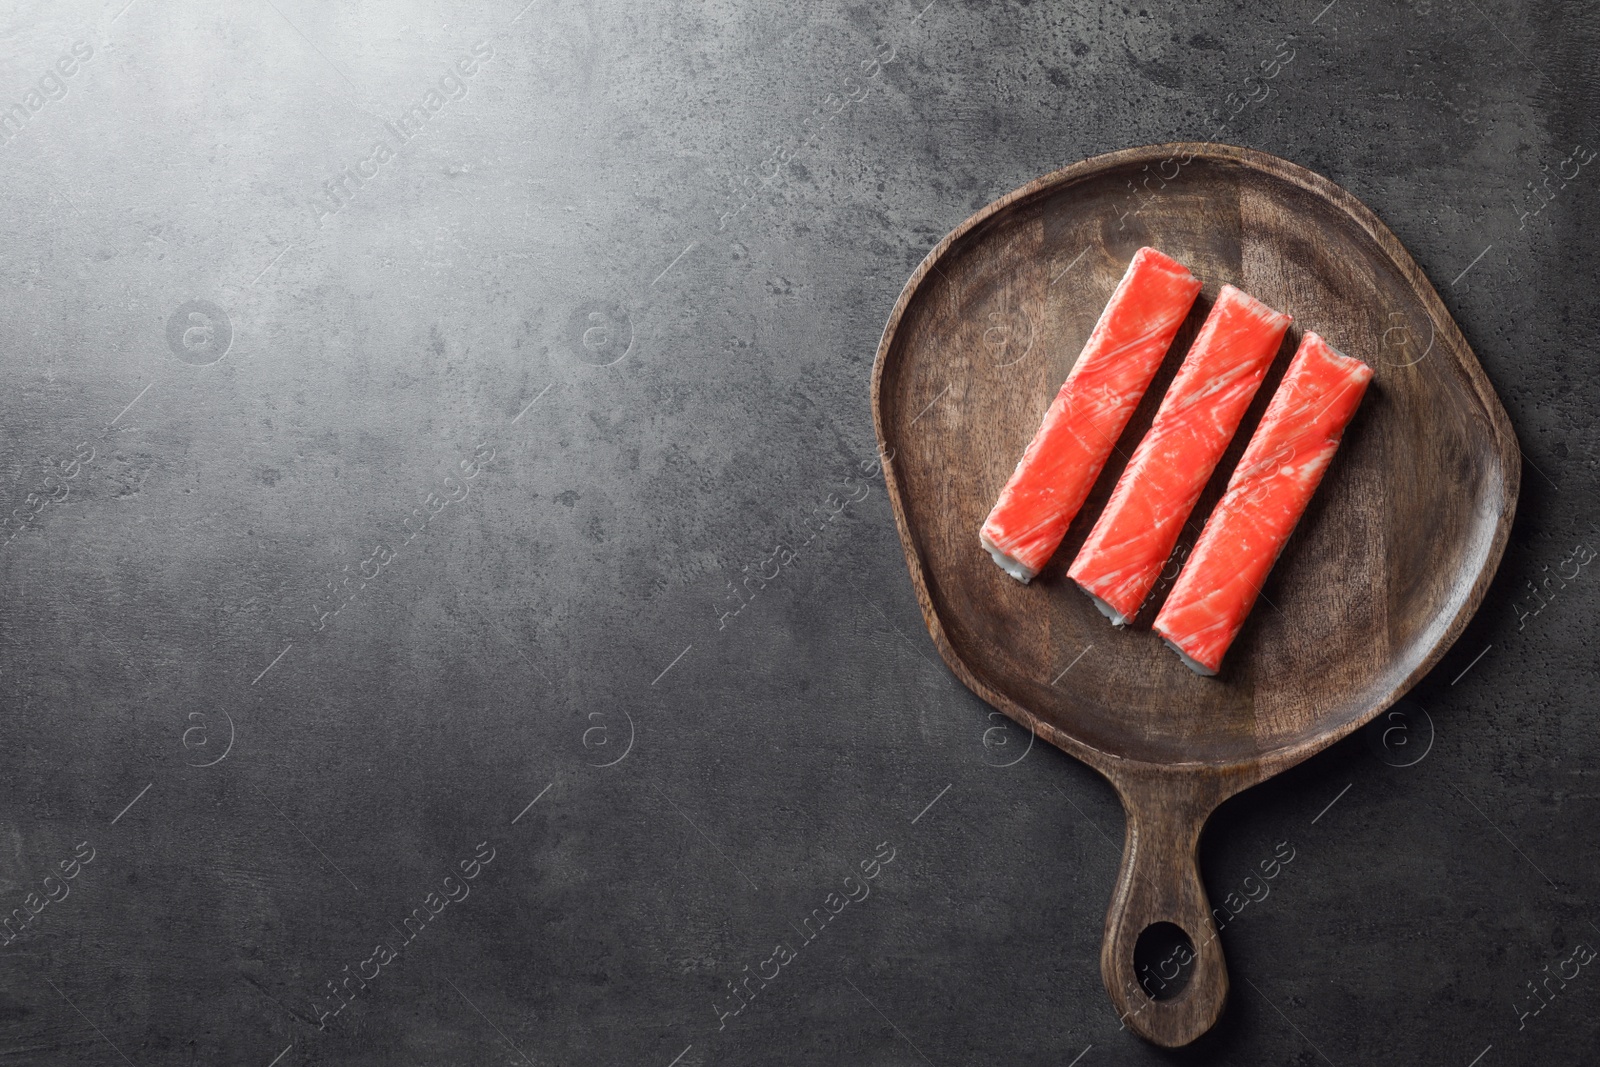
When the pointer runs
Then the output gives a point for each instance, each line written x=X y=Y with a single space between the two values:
x=1275 y=480
x=1087 y=416
x=1124 y=554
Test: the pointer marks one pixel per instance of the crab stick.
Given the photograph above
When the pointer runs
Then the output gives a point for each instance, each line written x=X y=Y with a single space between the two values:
x=1130 y=543
x=1087 y=416
x=1266 y=496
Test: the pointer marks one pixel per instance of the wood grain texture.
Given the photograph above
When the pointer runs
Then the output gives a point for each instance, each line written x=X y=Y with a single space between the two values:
x=1384 y=571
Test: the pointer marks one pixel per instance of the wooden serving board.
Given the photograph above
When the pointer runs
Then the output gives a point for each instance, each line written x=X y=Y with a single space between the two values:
x=1384 y=571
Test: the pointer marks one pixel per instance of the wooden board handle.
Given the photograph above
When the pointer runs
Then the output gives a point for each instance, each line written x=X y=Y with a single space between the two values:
x=1160 y=883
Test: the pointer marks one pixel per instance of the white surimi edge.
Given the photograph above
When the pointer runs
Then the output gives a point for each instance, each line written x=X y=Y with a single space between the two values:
x=1116 y=617
x=1005 y=562
x=1194 y=665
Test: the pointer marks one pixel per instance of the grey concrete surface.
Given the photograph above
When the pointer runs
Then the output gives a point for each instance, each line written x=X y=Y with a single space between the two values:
x=382 y=525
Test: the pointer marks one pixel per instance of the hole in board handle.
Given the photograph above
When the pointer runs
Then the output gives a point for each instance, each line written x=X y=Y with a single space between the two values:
x=1163 y=960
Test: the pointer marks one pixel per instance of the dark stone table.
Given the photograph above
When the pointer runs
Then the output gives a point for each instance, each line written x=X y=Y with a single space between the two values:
x=400 y=409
